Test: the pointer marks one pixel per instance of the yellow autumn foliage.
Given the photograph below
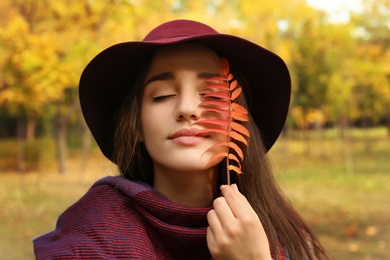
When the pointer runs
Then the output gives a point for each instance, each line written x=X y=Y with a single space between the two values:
x=44 y=45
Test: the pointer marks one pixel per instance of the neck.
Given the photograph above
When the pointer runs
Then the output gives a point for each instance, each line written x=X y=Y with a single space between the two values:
x=192 y=189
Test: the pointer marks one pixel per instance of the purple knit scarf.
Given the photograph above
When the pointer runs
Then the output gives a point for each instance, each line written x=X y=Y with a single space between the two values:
x=118 y=218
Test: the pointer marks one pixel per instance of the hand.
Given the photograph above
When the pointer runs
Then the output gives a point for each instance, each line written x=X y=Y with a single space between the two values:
x=235 y=230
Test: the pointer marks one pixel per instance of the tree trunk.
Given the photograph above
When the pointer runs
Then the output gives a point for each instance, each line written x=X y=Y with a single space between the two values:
x=86 y=145
x=388 y=120
x=21 y=154
x=30 y=129
x=306 y=133
x=367 y=139
x=346 y=143
x=61 y=145
x=319 y=137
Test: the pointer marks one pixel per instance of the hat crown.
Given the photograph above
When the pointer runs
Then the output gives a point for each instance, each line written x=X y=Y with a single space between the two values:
x=178 y=28
x=108 y=78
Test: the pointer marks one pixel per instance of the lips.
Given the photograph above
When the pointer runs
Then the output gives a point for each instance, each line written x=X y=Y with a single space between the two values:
x=187 y=136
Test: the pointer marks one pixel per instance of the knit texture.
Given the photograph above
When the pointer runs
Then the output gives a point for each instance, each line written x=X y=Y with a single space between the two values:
x=118 y=218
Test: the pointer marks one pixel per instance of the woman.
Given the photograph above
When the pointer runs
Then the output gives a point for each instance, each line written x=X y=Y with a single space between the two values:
x=143 y=104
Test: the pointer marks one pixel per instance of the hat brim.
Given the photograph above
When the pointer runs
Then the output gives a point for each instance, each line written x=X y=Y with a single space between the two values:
x=109 y=76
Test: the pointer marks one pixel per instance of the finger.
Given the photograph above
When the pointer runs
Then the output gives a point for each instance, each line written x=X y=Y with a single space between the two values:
x=210 y=238
x=237 y=202
x=223 y=212
x=214 y=222
x=235 y=187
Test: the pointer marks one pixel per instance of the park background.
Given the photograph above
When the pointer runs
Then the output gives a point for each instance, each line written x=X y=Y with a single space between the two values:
x=332 y=160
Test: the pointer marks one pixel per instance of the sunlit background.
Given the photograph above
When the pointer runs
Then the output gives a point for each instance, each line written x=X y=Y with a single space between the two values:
x=338 y=10
x=332 y=160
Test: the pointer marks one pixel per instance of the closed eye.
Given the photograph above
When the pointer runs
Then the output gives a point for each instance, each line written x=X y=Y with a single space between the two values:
x=162 y=98
x=211 y=96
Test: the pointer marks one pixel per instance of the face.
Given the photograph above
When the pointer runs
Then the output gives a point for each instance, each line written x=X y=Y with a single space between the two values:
x=174 y=86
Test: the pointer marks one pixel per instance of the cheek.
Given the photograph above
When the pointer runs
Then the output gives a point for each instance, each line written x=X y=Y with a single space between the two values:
x=145 y=123
x=151 y=122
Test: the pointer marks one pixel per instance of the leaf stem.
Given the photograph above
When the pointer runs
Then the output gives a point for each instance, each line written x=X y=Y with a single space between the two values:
x=230 y=118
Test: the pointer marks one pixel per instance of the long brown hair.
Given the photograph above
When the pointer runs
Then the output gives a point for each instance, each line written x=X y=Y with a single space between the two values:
x=281 y=222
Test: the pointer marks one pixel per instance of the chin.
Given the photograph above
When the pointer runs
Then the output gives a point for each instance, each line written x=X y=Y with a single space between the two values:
x=188 y=167
x=187 y=161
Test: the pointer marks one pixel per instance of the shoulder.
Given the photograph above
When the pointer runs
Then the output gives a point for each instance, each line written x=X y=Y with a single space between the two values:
x=93 y=222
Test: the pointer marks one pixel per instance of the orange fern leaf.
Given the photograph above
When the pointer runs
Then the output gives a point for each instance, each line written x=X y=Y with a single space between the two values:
x=240 y=128
x=238 y=108
x=219 y=95
x=217 y=157
x=233 y=85
x=231 y=145
x=212 y=130
x=234 y=158
x=225 y=66
x=216 y=85
x=235 y=168
x=216 y=110
x=222 y=115
x=238 y=137
x=217 y=122
x=217 y=104
x=239 y=116
x=237 y=149
x=236 y=93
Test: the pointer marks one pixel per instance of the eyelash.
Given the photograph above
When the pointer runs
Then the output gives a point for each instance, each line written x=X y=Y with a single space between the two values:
x=161 y=98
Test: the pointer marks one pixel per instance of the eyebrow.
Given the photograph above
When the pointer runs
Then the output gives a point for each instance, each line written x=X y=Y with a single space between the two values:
x=205 y=75
x=162 y=76
x=171 y=75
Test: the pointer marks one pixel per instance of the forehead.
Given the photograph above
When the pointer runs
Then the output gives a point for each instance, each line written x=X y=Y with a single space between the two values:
x=186 y=56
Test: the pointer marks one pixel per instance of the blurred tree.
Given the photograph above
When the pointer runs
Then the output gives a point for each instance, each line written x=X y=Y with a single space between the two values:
x=30 y=56
x=372 y=34
x=339 y=104
x=45 y=45
x=340 y=69
x=311 y=64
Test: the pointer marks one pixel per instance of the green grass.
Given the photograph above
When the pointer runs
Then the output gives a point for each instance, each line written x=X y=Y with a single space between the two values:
x=341 y=188
x=31 y=203
x=347 y=206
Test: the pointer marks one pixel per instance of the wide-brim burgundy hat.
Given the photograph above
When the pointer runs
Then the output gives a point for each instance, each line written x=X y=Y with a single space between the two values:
x=111 y=74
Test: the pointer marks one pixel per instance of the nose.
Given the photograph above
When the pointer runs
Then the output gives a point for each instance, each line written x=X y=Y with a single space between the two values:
x=187 y=107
